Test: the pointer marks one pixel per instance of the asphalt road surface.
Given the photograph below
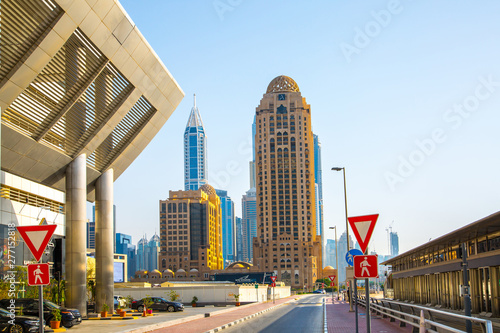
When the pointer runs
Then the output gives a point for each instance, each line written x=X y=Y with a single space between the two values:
x=304 y=315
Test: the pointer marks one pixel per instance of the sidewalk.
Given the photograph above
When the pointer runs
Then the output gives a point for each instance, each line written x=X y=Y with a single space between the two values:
x=340 y=320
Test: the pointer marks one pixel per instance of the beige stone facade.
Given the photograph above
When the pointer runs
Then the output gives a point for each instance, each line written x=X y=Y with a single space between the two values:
x=286 y=241
x=191 y=232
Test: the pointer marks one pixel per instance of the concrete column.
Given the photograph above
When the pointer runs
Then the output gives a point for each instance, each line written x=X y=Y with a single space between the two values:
x=76 y=217
x=104 y=240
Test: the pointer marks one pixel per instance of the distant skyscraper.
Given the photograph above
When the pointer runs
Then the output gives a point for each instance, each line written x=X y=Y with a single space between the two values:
x=342 y=248
x=252 y=162
x=287 y=242
x=249 y=223
x=90 y=235
x=228 y=227
x=393 y=236
x=330 y=253
x=239 y=239
x=318 y=180
x=195 y=151
x=124 y=246
x=147 y=253
x=141 y=254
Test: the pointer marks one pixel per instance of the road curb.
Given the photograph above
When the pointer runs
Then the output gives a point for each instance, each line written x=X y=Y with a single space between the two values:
x=169 y=323
x=217 y=329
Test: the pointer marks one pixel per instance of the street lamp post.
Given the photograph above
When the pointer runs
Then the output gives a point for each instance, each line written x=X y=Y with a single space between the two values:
x=336 y=260
x=345 y=201
x=346 y=227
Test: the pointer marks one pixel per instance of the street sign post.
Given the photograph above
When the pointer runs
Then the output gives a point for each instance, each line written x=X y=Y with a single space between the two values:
x=273 y=279
x=363 y=226
x=36 y=238
x=366 y=266
x=38 y=275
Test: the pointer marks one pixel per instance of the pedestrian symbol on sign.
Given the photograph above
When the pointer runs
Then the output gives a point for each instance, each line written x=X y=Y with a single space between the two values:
x=38 y=274
x=364 y=264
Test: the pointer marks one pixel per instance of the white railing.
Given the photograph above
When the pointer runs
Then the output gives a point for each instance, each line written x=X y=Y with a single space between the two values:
x=393 y=309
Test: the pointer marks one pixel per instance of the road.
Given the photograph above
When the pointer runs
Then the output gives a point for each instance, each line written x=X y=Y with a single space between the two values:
x=304 y=315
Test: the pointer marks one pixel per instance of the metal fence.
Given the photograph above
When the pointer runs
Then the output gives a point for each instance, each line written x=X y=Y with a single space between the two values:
x=434 y=320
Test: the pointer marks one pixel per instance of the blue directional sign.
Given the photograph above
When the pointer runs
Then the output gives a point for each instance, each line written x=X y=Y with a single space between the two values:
x=349 y=257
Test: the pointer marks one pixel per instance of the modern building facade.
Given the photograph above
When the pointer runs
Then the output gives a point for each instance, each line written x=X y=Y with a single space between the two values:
x=82 y=93
x=287 y=242
x=248 y=224
x=228 y=227
x=191 y=231
x=124 y=246
x=195 y=151
x=432 y=273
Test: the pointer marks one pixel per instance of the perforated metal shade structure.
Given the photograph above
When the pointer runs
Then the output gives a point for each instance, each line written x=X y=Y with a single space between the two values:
x=77 y=77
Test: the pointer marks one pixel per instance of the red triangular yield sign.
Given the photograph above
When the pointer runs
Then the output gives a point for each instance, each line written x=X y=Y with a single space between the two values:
x=332 y=277
x=37 y=237
x=273 y=278
x=363 y=226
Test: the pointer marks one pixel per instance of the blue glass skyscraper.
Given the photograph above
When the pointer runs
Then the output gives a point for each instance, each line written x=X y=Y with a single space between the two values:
x=249 y=223
x=195 y=153
x=124 y=246
x=228 y=227
x=318 y=180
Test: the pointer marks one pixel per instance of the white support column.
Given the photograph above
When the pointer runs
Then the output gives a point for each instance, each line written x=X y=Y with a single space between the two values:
x=104 y=240
x=76 y=217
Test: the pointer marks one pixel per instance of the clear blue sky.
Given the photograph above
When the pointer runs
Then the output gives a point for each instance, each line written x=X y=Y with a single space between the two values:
x=404 y=94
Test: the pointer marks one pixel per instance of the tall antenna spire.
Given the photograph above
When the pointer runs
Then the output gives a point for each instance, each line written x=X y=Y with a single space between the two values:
x=194 y=100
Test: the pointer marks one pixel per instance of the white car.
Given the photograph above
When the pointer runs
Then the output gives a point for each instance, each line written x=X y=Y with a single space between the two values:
x=121 y=300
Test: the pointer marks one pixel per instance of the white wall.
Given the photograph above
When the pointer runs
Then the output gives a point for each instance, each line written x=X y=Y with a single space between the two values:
x=208 y=294
x=22 y=214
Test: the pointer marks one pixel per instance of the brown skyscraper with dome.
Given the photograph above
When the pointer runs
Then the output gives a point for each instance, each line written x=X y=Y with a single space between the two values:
x=286 y=241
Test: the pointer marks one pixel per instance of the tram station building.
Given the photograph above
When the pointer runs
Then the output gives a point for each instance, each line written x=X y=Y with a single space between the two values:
x=82 y=93
x=432 y=274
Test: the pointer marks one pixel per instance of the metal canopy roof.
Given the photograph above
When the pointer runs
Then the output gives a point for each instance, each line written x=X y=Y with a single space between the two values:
x=77 y=79
x=482 y=227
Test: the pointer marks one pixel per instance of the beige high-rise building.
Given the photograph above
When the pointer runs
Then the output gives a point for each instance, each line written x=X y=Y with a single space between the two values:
x=286 y=241
x=191 y=231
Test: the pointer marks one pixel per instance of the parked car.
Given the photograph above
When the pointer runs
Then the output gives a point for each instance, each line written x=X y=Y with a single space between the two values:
x=319 y=291
x=21 y=324
x=69 y=317
x=120 y=300
x=159 y=303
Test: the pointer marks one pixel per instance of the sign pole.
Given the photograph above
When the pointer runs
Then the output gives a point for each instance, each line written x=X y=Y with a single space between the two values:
x=367 y=293
x=274 y=298
x=355 y=286
x=40 y=308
